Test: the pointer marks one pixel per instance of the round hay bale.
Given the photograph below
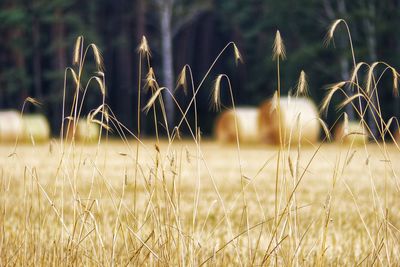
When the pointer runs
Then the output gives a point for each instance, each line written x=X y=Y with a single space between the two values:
x=299 y=117
x=10 y=126
x=87 y=131
x=356 y=133
x=35 y=128
x=396 y=136
x=246 y=117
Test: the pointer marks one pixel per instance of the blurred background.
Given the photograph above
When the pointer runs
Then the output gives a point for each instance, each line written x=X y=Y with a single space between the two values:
x=38 y=37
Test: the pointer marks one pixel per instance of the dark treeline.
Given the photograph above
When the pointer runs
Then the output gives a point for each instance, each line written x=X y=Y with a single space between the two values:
x=38 y=38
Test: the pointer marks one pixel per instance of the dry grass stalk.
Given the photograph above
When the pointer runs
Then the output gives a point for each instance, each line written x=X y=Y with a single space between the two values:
x=90 y=220
x=351 y=132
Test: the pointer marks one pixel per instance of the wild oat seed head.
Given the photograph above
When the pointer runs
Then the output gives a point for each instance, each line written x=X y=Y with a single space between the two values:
x=106 y=115
x=77 y=50
x=178 y=132
x=92 y=119
x=331 y=91
x=302 y=85
x=279 y=47
x=370 y=76
x=217 y=92
x=101 y=85
x=151 y=81
x=332 y=29
x=350 y=99
x=182 y=80
x=97 y=56
x=238 y=56
x=395 y=82
x=152 y=100
x=33 y=101
x=353 y=78
x=325 y=129
x=144 y=47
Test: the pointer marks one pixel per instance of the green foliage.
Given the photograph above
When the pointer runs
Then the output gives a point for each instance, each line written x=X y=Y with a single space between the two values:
x=197 y=26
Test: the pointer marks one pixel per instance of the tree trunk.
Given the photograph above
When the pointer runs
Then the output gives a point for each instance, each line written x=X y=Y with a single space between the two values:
x=19 y=63
x=167 y=57
x=124 y=66
x=343 y=60
x=371 y=45
x=59 y=64
x=140 y=32
x=37 y=65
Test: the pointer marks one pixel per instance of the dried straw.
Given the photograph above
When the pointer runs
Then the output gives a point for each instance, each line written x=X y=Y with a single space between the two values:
x=299 y=121
x=246 y=117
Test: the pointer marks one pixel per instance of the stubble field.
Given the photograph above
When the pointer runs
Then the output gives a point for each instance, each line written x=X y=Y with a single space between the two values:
x=194 y=205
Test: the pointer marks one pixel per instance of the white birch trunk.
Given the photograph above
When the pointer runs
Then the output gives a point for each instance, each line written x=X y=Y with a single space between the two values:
x=167 y=57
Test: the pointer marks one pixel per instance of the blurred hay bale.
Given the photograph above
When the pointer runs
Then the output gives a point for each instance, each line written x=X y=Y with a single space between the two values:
x=246 y=117
x=299 y=120
x=35 y=128
x=396 y=136
x=355 y=133
x=86 y=131
x=10 y=126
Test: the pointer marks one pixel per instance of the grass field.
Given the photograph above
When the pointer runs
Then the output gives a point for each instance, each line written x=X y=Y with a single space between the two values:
x=187 y=207
x=196 y=202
